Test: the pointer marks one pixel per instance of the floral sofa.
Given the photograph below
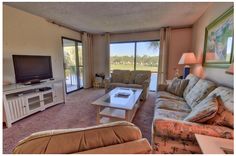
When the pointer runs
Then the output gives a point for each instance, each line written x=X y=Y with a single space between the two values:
x=126 y=78
x=171 y=133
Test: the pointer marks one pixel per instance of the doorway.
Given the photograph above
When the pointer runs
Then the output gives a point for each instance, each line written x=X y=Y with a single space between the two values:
x=73 y=64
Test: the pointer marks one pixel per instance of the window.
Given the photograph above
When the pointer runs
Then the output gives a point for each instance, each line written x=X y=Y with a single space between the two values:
x=140 y=55
x=122 y=56
x=147 y=56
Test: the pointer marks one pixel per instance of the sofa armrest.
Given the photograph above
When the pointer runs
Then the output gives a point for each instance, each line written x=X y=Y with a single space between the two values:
x=140 y=146
x=79 y=139
x=162 y=87
x=185 y=130
x=146 y=83
x=107 y=82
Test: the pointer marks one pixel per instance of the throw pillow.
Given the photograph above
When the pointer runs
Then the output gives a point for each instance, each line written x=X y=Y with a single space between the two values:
x=140 y=78
x=126 y=77
x=200 y=90
x=192 y=81
x=223 y=117
x=177 y=86
x=116 y=78
x=204 y=111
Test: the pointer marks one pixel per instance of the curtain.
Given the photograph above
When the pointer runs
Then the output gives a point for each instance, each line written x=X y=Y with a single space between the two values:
x=87 y=59
x=107 y=54
x=165 y=34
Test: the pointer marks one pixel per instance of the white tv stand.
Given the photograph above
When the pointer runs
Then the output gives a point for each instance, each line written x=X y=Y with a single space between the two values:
x=20 y=100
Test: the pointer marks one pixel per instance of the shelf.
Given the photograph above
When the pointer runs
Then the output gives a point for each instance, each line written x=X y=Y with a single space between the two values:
x=30 y=93
x=17 y=95
x=112 y=112
x=48 y=93
x=104 y=120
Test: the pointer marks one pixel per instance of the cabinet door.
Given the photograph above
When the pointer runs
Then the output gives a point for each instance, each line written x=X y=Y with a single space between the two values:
x=48 y=98
x=17 y=108
x=58 y=92
x=34 y=103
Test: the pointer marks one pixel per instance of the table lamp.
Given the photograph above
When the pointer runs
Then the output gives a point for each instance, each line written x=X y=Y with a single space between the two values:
x=187 y=59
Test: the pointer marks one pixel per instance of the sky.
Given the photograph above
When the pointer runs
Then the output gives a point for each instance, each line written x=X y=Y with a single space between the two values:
x=127 y=49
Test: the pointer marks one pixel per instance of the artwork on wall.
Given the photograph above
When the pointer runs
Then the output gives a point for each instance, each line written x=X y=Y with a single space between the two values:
x=218 y=45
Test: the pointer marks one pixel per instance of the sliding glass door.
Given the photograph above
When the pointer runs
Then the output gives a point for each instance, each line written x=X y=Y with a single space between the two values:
x=147 y=56
x=73 y=64
x=139 y=55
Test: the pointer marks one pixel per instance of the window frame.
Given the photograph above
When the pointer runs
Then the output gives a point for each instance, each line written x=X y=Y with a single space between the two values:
x=77 y=61
x=135 y=49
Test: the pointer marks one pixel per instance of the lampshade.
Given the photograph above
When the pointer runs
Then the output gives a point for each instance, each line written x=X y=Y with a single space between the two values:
x=188 y=58
x=230 y=69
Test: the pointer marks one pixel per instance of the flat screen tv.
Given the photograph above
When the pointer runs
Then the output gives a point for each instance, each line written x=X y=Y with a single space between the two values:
x=30 y=67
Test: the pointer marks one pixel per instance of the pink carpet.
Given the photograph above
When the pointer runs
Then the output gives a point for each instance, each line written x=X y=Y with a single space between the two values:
x=77 y=112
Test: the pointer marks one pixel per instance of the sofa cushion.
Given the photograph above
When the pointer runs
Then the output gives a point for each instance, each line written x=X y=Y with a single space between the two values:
x=204 y=111
x=192 y=81
x=167 y=95
x=223 y=118
x=113 y=85
x=120 y=76
x=170 y=114
x=116 y=78
x=225 y=113
x=177 y=86
x=126 y=77
x=200 y=90
x=134 y=73
x=225 y=95
x=140 y=146
x=168 y=145
x=171 y=104
x=134 y=86
x=140 y=78
x=184 y=130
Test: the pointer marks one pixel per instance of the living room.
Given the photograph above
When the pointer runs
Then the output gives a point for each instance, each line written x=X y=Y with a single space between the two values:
x=118 y=77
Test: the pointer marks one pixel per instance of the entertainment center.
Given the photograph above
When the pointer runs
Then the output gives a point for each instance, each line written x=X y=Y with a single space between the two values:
x=34 y=90
x=23 y=100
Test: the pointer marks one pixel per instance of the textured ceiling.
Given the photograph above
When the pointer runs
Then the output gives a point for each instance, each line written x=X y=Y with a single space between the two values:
x=100 y=17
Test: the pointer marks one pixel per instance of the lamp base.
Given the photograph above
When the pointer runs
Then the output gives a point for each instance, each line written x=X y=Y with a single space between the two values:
x=186 y=71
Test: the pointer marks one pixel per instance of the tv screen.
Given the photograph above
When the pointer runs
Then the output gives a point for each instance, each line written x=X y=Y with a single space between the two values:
x=31 y=67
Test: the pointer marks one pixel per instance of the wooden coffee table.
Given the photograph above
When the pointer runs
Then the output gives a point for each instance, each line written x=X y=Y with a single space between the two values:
x=119 y=104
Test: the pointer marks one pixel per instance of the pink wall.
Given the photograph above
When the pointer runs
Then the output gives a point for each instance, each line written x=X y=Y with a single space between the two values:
x=180 y=42
x=216 y=74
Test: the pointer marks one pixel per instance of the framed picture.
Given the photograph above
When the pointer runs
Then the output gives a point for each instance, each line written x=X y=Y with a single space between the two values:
x=219 y=40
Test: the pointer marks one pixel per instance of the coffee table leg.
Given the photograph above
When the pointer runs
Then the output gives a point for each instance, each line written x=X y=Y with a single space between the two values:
x=127 y=115
x=98 y=116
